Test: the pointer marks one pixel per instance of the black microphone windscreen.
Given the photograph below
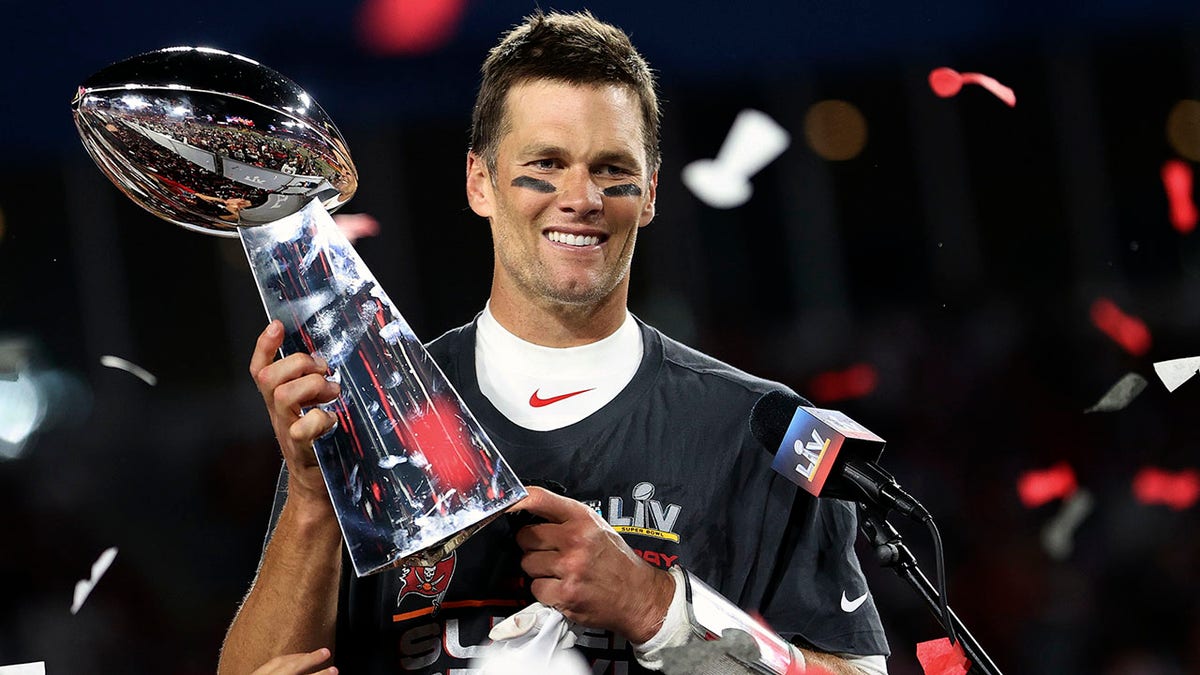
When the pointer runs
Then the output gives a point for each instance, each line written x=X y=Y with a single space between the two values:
x=771 y=416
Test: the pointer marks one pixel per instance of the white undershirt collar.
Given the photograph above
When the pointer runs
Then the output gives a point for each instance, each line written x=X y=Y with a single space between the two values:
x=545 y=388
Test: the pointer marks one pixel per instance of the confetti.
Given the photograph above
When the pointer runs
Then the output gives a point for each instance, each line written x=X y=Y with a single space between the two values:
x=36 y=668
x=947 y=82
x=754 y=141
x=1178 y=490
x=1058 y=535
x=1127 y=331
x=406 y=27
x=84 y=587
x=704 y=655
x=1038 y=487
x=1175 y=372
x=355 y=226
x=939 y=657
x=1120 y=394
x=1177 y=181
x=129 y=367
x=854 y=382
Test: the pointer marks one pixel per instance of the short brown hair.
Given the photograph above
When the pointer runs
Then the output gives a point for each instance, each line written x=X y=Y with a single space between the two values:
x=573 y=48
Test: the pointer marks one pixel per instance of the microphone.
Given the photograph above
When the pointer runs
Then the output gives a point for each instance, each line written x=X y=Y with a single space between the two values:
x=827 y=454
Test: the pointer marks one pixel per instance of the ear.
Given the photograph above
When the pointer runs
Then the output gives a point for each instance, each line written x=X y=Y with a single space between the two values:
x=479 y=185
x=647 y=214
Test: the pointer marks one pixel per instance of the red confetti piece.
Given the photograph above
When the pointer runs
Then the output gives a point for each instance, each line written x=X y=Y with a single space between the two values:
x=1038 y=487
x=405 y=27
x=856 y=381
x=939 y=657
x=1128 y=331
x=947 y=82
x=1157 y=486
x=355 y=226
x=1177 y=180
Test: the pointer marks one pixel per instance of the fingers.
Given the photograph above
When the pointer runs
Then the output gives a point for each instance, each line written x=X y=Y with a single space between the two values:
x=312 y=425
x=294 y=386
x=307 y=663
x=269 y=342
x=270 y=374
x=554 y=508
x=541 y=537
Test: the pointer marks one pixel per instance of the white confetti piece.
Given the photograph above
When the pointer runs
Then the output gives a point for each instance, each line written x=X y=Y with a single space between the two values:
x=391 y=461
x=1058 y=535
x=84 y=587
x=36 y=668
x=754 y=141
x=1120 y=394
x=121 y=364
x=1175 y=372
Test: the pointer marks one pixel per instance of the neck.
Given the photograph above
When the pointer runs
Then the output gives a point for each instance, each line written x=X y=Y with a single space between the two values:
x=553 y=324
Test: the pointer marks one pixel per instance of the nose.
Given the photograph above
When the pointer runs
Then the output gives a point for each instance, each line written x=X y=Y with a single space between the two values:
x=580 y=194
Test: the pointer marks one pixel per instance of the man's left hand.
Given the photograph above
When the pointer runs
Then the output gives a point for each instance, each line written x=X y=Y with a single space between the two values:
x=583 y=568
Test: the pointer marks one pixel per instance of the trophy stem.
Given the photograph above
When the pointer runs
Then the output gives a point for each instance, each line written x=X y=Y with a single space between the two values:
x=410 y=471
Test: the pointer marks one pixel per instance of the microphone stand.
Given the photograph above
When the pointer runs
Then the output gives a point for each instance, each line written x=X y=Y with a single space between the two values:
x=891 y=552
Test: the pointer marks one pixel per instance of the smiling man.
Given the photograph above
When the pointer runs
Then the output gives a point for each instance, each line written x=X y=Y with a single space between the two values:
x=665 y=492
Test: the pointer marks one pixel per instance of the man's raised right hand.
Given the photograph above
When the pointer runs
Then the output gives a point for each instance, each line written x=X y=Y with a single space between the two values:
x=288 y=386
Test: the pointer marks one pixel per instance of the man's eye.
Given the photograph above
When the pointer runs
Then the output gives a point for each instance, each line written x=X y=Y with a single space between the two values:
x=611 y=170
x=543 y=164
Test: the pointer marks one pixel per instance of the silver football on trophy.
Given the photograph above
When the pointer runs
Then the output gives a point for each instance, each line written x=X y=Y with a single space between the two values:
x=211 y=140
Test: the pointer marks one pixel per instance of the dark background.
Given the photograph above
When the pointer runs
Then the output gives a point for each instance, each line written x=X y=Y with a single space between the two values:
x=957 y=256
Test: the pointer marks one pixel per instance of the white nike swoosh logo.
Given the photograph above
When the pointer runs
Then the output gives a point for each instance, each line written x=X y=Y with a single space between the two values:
x=851 y=605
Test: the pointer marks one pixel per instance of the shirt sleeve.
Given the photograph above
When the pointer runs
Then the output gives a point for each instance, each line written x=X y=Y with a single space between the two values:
x=817 y=595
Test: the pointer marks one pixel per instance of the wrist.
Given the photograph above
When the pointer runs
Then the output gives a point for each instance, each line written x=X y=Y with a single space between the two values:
x=661 y=592
x=308 y=513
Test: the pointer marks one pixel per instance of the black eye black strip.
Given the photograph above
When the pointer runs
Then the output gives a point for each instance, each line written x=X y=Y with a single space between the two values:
x=624 y=190
x=535 y=184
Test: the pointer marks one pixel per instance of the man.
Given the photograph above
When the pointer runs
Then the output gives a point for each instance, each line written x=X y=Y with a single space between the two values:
x=647 y=438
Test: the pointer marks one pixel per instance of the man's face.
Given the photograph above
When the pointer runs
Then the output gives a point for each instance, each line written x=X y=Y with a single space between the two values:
x=570 y=189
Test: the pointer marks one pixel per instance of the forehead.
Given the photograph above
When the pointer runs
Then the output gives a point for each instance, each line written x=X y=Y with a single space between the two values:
x=579 y=117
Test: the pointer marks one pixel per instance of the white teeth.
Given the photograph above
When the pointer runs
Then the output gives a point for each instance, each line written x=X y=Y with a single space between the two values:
x=572 y=239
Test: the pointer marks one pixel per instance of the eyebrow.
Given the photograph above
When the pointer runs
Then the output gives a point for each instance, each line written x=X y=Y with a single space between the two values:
x=606 y=157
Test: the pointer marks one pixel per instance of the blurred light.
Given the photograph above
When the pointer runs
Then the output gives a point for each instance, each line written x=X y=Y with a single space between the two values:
x=407 y=27
x=854 y=382
x=1177 y=490
x=1128 y=331
x=180 y=111
x=1183 y=128
x=33 y=398
x=835 y=130
x=1038 y=487
x=22 y=410
x=1177 y=181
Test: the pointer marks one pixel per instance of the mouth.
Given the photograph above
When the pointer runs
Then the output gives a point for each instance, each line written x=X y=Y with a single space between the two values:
x=576 y=240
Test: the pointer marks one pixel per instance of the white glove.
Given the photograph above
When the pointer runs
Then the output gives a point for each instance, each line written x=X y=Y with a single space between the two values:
x=536 y=639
